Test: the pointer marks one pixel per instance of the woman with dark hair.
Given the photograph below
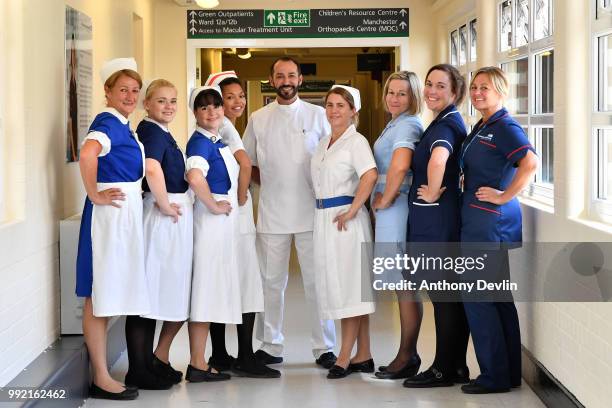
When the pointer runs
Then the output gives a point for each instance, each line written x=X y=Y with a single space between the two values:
x=343 y=176
x=212 y=173
x=251 y=290
x=434 y=216
x=110 y=260
x=498 y=162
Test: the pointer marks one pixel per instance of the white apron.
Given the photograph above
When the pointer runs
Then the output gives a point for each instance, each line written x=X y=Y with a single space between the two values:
x=168 y=257
x=119 y=282
x=215 y=288
x=251 y=289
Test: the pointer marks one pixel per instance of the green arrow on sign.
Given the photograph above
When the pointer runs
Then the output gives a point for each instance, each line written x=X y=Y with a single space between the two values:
x=287 y=18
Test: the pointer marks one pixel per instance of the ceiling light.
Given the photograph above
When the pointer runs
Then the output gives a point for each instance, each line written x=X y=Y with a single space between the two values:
x=207 y=3
x=243 y=53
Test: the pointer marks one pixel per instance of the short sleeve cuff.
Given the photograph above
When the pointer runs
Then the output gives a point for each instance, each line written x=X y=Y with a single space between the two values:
x=364 y=169
x=442 y=143
x=404 y=143
x=101 y=138
x=197 y=162
x=519 y=153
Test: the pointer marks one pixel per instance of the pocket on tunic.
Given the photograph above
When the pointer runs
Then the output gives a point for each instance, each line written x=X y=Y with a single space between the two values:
x=425 y=219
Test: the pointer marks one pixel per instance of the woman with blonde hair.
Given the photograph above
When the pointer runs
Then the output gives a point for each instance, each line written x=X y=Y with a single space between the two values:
x=393 y=151
x=110 y=260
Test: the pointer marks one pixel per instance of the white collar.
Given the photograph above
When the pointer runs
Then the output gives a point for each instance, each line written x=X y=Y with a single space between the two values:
x=291 y=107
x=214 y=138
x=164 y=128
x=349 y=130
x=116 y=113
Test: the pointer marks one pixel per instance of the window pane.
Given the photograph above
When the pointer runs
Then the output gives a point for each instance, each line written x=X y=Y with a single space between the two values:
x=546 y=155
x=604 y=73
x=542 y=25
x=453 y=47
x=505 y=15
x=604 y=157
x=522 y=22
x=604 y=8
x=462 y=45
x=544 y=90
x=473 y=37
x=472 y=110
x=516 y=71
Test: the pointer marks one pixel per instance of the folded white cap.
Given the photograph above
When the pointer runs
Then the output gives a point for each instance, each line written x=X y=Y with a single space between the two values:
x=199 y=89
x=354 y=93
x=143 y=92
x=217 y=77
x=117 y=64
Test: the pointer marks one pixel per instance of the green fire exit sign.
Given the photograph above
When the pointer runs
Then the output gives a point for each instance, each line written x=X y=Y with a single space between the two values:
x=286 y=18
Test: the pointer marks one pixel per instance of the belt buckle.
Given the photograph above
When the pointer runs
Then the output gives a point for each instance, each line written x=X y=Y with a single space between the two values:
x=320 y=203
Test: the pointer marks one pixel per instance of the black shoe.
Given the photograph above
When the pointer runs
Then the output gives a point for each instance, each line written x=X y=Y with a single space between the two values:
x=266 y=358
x=429 y=378
x=462 y=376
x=99 y=393
x=326 y=360
x=382 y=368
x=223 y=363
x=338 y=372
x=254 y=369
x=166 y=371
x=366 y=366
x=196 y=375
x=147 y=380
x=474 y=388
x=410 y=369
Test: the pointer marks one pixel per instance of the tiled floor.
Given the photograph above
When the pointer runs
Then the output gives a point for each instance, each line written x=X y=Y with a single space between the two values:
x=304 y=385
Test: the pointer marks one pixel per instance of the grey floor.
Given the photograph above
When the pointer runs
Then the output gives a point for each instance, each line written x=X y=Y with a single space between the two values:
x=304 y=385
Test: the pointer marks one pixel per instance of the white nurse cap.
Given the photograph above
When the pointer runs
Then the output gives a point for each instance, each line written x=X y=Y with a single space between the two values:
x=216 y=78
x=354 y=93
x=199 y=89
x=143 y=91
x=117 y=64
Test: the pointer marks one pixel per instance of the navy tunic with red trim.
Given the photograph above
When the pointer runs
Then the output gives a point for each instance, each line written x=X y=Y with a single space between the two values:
x=438 y=221
x=489 y=158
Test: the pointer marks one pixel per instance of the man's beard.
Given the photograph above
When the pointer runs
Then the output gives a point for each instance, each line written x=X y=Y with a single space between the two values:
x=287 y=92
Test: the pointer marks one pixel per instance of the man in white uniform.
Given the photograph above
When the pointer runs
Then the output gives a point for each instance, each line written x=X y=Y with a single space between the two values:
x=280 y=139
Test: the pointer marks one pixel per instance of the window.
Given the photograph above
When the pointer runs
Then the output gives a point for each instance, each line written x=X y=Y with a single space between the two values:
x=526 y=55
x=601 y=185
x=462 y=49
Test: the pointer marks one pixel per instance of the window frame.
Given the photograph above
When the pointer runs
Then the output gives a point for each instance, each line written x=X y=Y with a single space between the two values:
x=599 y=209
x=468 y=67
x=543 y=192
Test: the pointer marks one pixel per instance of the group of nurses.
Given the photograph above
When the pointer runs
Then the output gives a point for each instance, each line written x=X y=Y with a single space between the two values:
x=343 y=173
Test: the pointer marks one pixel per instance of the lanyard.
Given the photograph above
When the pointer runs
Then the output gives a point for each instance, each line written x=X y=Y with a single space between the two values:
x=469 y=143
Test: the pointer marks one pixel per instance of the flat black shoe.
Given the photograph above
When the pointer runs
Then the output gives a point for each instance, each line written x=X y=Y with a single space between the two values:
x=366 y=366
x=147 y=380
x=462 y=376
x=429 y=378
x=221 y=363
x=410 y=369
x=382 y=368
x=254 y=369
x=165 y=370
x=326 y=360
x=266 y=358
x=338 y=372
x=99 y=393
x=196 y=375
x=474 y=388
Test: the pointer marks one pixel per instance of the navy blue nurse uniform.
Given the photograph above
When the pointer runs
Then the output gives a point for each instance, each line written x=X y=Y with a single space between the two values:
x=489 y=158
x=440 y=222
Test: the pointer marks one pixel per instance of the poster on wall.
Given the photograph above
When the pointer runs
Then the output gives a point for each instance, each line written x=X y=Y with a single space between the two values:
x=78 y=46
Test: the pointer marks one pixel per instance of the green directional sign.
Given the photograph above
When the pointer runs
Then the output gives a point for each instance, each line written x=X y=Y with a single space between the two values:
x=286 y=18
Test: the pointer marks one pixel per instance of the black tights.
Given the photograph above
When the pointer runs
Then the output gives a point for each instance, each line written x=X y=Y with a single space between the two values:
x=139 y=335
x=245 y=338
x=452 y=336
